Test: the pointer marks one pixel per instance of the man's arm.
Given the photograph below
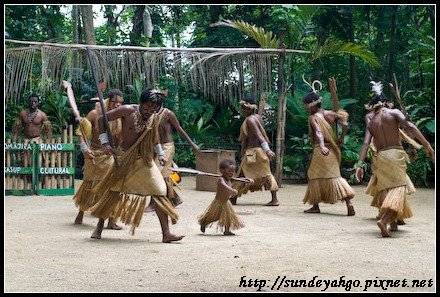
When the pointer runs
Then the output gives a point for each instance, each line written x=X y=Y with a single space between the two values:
x=17 y=127
x=362 y=154
x=175 y=123
x=318 y=134
x=413 y=130
x=114 y=114
x=254 y=130
x=47 y=127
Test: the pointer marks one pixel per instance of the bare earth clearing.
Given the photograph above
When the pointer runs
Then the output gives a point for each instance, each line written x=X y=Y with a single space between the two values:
x=45 y=252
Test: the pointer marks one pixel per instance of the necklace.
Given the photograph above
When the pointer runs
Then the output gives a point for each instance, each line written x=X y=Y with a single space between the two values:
x=139 y=123
x=31 y=115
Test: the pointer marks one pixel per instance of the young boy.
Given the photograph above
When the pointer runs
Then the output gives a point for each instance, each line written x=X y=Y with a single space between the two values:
x=221 y=208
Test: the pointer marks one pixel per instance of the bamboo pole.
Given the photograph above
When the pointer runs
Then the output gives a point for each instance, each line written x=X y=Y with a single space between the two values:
x=65 y=156
x=26 y=157
x=53 y=155
x=60 y=178
x=281 y=115
x=8 y=164
x=71 y=162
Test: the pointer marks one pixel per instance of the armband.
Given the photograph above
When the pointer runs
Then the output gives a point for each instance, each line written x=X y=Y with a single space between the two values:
x=103 y=138
x=158 y=149
x=265 y=146
x=84 y=147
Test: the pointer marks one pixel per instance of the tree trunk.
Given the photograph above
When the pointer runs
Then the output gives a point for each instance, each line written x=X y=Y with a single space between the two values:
x=87 y=19
x=353 y=74
x=392 y=49
x=138 y=28
x=281 y=114
x=112 y=23
x=76 y=26
x=148 y=25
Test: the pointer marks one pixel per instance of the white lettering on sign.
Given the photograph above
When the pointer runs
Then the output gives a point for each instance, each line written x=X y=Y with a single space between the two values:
x=51 y=146
x=12 y=170
x=54 y=170
x=17 y=146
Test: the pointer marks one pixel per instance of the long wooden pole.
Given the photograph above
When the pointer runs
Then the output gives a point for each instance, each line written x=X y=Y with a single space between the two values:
x=161 y=49
x=281 y=115
x=101 y=100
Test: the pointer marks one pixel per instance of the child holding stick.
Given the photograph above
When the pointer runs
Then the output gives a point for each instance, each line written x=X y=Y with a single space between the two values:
x=221 y=208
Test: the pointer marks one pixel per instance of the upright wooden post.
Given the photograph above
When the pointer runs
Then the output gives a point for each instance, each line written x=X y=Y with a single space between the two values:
x=281 y=113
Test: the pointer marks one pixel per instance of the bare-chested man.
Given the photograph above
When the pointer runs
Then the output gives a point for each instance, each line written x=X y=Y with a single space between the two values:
x=168 y=122
x=256 y=155
x=96 y=162
x=33 y=122
x=325 y=183
x=134 y=176
x=390 y=162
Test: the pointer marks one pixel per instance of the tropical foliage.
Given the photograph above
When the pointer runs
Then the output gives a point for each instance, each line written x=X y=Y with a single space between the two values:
x=353 y=43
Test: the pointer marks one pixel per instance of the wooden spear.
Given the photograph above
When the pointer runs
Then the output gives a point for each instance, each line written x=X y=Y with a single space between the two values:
x=335 y=102
x=101 y=102
x=396 y=92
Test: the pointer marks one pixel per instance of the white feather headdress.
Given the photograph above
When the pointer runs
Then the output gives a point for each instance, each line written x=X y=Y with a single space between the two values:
x=376 y=87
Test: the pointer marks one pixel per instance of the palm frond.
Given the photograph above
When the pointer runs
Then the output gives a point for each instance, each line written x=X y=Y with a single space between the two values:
x=332 y=47
x=265 y=39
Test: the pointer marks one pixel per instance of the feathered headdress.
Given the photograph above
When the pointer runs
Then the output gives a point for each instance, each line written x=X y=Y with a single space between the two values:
x=376 y=87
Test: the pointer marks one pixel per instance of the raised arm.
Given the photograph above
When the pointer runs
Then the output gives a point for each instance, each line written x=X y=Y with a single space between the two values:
x=176 y=124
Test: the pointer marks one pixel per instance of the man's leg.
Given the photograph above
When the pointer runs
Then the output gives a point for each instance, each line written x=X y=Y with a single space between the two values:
x=79 y=218
x=150 y=207
x=350 y=208
x=274 y=201
x=167 y=237
x=386 y=218
x=98 y=230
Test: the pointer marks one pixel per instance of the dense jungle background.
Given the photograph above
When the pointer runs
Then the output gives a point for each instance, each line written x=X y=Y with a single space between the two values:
x=352 y=43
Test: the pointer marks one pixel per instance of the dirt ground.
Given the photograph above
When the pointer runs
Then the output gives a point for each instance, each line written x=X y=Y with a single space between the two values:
x=280 y=246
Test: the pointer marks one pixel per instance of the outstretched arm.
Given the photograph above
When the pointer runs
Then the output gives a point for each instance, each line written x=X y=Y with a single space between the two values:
x=413 y=130
x=175 y=123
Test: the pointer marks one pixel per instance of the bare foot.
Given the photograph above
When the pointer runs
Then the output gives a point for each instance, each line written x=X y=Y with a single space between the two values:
x=233 y=200
x=203 y=228
x=171 y=238
x=177 y=201
x=98 y=230
x=383 y=229
x=350 y=210
x=393 y=226
x=79 y=218
x=272 y=203
x=113 y=226
x=378 y=217
x=312 y=210
x=401 y=222
x=228 y=233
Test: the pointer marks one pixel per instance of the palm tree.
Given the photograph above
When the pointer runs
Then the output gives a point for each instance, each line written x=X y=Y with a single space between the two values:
x=296 y=26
